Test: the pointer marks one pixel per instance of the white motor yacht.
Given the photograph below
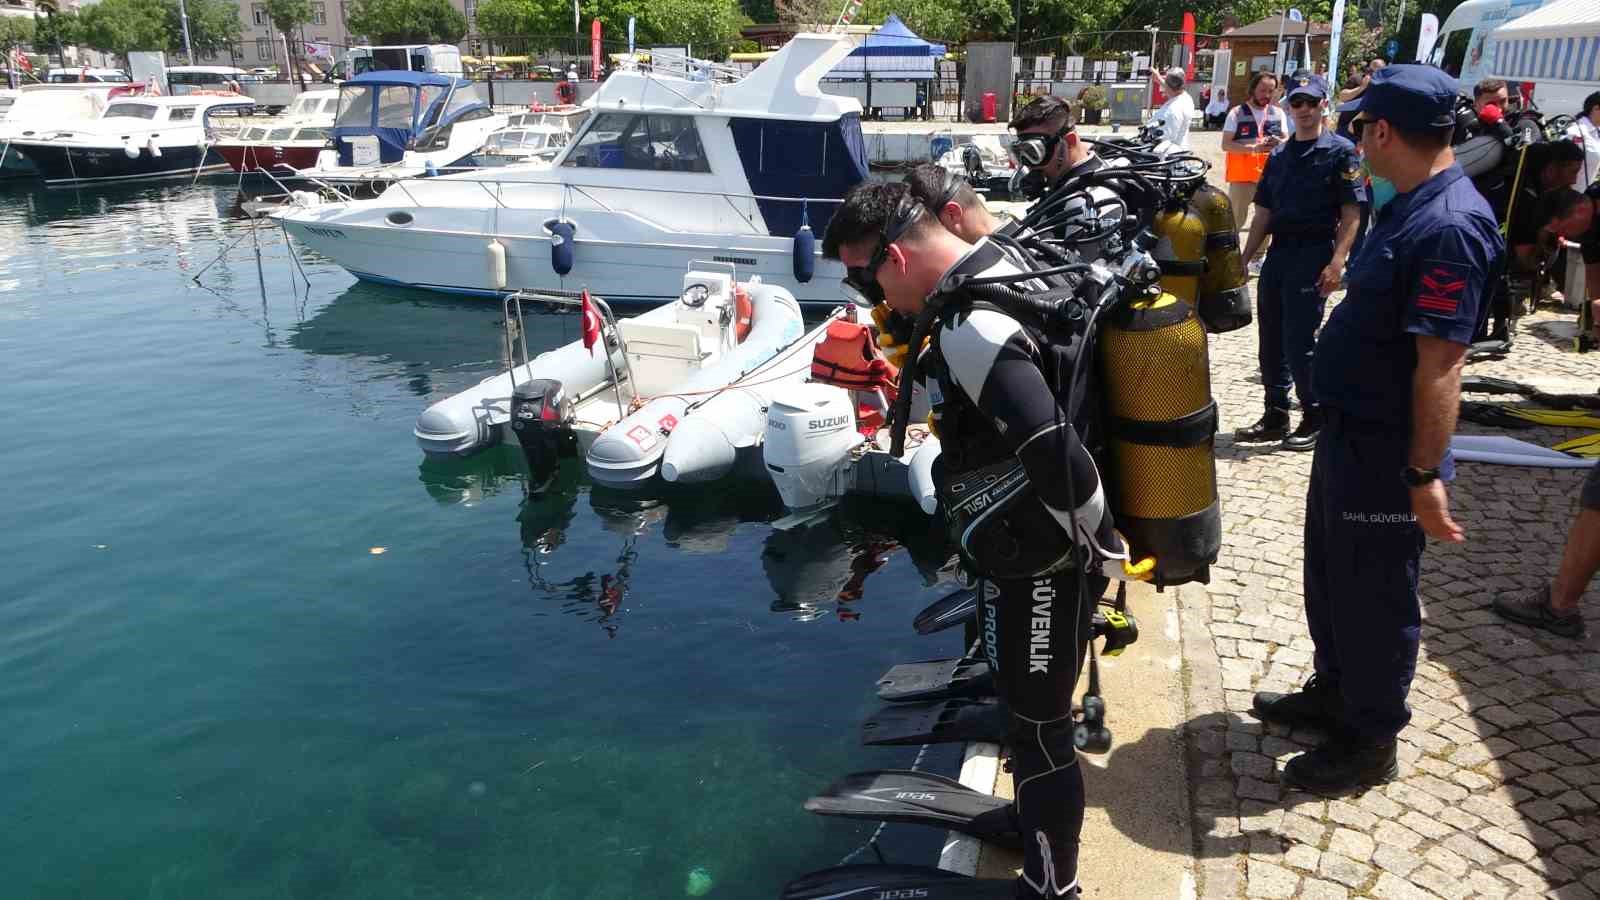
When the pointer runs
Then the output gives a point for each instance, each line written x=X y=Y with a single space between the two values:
x=666 y=169
x=137 y=138
x=393 y=125
x=42 y=108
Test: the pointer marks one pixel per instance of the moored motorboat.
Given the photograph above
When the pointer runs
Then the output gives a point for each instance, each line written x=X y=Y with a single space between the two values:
x=45 y=108
x=666 y=169
x=396 y=125
x=291 y=140
x=622 y=400
x=137 y=138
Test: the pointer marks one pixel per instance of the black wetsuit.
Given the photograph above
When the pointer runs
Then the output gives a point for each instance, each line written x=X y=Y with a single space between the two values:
x=995 y=384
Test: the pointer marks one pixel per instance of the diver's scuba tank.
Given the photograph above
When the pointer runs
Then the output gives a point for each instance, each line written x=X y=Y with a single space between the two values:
x=1180 y=250
x=1160 y=421
x=1223 y=303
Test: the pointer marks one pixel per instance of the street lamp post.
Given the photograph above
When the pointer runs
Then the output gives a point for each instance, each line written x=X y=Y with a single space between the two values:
x=183 y=16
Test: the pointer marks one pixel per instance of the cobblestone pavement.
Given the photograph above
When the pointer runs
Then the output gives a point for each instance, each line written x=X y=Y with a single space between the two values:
x=1499 y=792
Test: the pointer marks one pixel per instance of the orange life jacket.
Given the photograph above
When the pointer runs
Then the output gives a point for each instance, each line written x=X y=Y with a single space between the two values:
x=849 y=358
x=1246 y=168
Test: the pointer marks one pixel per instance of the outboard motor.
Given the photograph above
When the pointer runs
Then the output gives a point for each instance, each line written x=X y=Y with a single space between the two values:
x=810 y=438
x=972 y=161
x=542 y=421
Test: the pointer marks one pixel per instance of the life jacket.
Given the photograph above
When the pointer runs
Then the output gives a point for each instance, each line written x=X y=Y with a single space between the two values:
x=849 y=358
x=1246 y=168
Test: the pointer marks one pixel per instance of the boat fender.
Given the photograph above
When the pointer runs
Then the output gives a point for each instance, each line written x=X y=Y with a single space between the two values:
x=805 y=248
x=153 y=147
x=562 y=233
x=921 y=476
x=429 y=170
x=497 y=264
x=131 y=150
x=743 y=310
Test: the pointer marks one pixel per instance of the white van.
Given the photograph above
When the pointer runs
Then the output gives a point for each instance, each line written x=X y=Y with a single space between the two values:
x=185 y=79
x=444 y=59
x=1471 y=38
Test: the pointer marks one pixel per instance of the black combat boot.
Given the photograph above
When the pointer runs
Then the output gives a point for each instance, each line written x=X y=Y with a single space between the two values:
x=1271 y=427
x=1305 y=436
x=1342 y=764
x=1317 y=705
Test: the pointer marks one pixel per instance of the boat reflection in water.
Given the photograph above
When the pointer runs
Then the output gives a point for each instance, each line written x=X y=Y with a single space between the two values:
x=813 y=572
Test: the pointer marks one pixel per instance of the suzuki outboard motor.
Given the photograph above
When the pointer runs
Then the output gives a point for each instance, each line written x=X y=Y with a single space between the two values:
x=542 y=421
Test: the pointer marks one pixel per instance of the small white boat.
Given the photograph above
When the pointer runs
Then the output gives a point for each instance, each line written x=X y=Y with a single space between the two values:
x=678 y=391
x=536 y=137
x=43 y=108
x=982 y=158
x=397 y=125
x=136 y=139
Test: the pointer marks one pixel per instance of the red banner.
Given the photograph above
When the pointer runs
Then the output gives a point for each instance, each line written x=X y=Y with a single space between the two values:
x=594 y=48
x=1188 y=46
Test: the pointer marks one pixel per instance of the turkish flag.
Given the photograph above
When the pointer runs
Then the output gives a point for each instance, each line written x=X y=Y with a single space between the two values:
x=591 y=324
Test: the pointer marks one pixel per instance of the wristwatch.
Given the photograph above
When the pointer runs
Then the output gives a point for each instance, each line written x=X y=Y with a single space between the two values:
x=1415 y=477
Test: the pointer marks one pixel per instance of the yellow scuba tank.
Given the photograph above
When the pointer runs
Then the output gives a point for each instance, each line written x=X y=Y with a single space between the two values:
x=1160 y=422
x=1224 y=300
x=1180 y=251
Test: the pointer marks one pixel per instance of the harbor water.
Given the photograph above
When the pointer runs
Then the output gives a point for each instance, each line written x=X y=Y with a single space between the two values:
x=253 y=645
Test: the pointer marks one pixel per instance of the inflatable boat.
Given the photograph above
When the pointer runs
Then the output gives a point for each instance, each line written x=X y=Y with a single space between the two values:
x=678 y=392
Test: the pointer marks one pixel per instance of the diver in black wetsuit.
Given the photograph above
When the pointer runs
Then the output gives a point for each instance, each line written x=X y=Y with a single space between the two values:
x=998 y=390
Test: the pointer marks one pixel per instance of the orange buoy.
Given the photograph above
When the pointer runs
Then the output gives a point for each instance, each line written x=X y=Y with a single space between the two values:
x=743 y=310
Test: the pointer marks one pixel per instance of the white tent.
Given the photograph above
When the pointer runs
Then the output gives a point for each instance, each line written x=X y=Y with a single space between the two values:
x=1559 y=42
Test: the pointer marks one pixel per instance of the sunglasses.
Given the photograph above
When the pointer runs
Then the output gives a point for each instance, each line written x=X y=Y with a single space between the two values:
x=1034 y=149
x=1356 y=126
x=1298 y=102
x=861 y=282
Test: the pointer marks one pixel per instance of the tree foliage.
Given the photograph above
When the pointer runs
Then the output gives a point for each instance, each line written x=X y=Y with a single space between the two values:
x=15 y=30
x=286 y=16
x=407 y=21
x=709 y=27
x=213 y=25
x=123 y=26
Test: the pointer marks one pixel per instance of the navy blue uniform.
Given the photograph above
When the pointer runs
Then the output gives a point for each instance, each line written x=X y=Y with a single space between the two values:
x=1426 y=268
x=1304 y=186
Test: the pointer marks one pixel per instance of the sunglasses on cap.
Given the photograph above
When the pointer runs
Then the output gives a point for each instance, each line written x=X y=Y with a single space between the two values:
x=1035 y=149
x=860 y=283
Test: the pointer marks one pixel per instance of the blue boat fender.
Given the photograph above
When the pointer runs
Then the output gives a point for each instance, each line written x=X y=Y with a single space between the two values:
x=429 y=170
x=805 y=249
x=562 y=234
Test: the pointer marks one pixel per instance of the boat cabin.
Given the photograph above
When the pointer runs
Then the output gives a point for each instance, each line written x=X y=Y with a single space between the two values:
x=384 y=114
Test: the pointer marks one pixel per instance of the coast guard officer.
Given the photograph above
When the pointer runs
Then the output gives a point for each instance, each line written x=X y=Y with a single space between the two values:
x=1388 y=375
x=1309 y=200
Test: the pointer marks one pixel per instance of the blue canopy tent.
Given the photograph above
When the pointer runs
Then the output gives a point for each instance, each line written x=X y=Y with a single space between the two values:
x=892 y=52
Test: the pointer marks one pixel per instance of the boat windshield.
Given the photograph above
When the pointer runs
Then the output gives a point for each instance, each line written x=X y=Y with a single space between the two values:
x=355 y=106
x=311 y=134
x=280 y=134
x=130 y=111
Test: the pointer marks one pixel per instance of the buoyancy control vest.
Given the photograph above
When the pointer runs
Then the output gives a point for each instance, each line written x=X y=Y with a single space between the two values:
x=992 y=511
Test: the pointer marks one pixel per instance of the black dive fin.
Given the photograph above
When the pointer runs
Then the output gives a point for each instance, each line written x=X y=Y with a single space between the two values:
x=1488 y=384
x=888 y=880
x=937 y=679
x=1491 y=415
x=918 y=798
x=1566 y=401
x=938 y=722
x=954 y=609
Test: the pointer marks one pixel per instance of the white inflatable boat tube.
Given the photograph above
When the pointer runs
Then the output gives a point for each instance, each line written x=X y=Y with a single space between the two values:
x=629 y=453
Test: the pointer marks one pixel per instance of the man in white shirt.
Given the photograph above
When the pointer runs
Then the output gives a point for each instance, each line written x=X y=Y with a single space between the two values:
x=1176 y=114
x=1586 y=133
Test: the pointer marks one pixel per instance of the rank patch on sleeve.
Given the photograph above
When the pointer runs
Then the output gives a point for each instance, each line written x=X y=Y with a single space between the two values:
x=1442 y=287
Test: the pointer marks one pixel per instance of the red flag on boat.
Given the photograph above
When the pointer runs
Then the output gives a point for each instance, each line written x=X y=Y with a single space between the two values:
x=591 y=324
